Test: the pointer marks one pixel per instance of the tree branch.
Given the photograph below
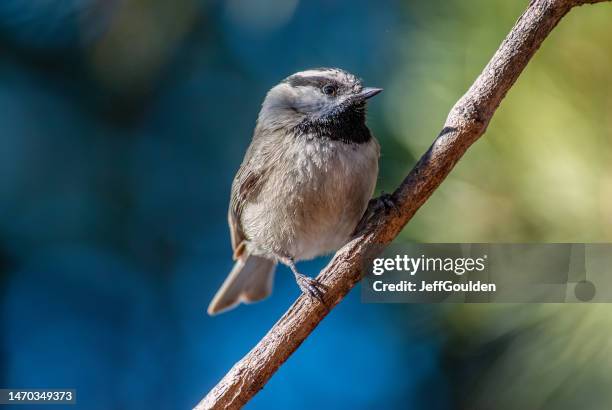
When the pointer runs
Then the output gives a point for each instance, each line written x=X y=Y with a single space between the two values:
x=466 y=122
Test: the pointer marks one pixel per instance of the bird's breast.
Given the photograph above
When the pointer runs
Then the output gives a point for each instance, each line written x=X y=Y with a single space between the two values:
x=317 y=193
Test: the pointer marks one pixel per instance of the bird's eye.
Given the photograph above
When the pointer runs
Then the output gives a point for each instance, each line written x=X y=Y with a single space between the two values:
x=329 y=89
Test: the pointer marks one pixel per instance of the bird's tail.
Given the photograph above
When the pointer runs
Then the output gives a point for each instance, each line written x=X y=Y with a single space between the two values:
x=250 y=280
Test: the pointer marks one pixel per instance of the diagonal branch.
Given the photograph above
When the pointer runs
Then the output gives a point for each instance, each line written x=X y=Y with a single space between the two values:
x=466 y=122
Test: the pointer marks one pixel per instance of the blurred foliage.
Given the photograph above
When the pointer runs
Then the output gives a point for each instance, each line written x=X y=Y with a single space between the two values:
x=542 y=170
x=541 y=173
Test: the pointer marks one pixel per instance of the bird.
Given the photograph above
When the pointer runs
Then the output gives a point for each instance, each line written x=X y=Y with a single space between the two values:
x=304 y=183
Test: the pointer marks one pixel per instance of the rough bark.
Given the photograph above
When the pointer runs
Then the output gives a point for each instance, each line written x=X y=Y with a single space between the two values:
x=466 y=122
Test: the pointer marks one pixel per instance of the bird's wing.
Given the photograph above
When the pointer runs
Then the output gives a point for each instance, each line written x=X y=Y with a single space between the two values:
x=245 y=188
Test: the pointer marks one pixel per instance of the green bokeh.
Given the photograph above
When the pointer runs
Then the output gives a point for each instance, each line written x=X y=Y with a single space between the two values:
x=541 y=173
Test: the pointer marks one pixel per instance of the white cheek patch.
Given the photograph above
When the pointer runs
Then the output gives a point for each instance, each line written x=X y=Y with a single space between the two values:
x=309 y=99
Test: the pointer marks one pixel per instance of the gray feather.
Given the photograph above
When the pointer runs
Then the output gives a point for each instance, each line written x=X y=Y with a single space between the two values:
x=250 y=280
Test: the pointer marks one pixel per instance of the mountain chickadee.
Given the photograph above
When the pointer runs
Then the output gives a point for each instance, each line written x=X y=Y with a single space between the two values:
x=304 y=183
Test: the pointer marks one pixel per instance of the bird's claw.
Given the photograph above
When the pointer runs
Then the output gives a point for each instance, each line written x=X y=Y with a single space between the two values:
x=310 y=287
x=387 y=202
x=383 y=203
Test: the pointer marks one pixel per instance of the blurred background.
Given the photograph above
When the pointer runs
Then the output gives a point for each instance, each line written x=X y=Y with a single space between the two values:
x=122 y=123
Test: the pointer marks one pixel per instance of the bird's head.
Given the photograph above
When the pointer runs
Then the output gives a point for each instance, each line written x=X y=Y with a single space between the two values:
x=322 y=94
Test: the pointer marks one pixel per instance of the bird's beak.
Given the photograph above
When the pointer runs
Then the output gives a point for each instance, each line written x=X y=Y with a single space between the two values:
x=369 y=92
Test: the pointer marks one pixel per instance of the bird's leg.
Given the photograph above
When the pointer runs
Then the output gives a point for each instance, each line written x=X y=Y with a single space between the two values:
x=308 y=285
x=384 y=202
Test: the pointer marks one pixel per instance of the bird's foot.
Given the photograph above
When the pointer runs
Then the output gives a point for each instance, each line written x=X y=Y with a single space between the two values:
x=311 y=287
x=387 y=202
x=384 y=203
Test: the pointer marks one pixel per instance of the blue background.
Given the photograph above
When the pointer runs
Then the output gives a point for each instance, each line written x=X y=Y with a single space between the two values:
x=118 y=147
